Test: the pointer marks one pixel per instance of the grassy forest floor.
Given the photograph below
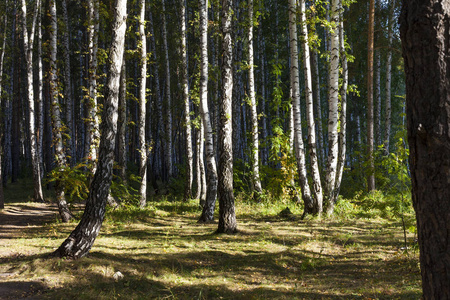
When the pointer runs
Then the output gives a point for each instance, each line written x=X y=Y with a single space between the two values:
x=164 y=254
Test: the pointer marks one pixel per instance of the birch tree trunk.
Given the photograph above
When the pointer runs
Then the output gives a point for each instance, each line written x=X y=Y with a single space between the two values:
x=122 y=123
x=387 y=121
x=295 y=87
x=317 y=105
x=316 y=180
x=40 y=97
x=28 y=49
x=187 y=111
x=142 y=106
x=80 y=241
x=227 y=215
x=92 y=123
x=211 y=190
x=370 y=121
x=68 y=95
x=168 y=123
x=253 y=107
x=343 y=119
x=333 y=113
x=60 y=156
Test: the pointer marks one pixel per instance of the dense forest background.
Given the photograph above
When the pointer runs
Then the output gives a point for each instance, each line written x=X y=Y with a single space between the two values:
x=54 y=61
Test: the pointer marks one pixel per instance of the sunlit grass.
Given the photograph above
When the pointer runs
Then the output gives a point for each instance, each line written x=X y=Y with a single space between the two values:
x=164 y=254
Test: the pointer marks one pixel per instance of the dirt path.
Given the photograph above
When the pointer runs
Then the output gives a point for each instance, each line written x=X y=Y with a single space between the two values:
x=15 y=221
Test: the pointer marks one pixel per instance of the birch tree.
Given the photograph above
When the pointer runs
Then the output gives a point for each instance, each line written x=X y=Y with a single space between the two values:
x=142 y=106
x=295 y=88
x=253 y=107
x=333 y=99
x=316 y=181
x=227 y=215
x=28 y=41
x=211 y=189
x=60 y=156
x=370 y=108
x=80 y=241
x=187 y=111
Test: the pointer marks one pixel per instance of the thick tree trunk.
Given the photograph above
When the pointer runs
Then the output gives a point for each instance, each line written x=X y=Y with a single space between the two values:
x=316 y=180
x=211 y=190
x=80 y=241
x=60 y=156
x=295 y=87
x=370 y=108
x=227 y=215
x=187 y=111
x=425 y=39
x=28 y=49
x=142 y=107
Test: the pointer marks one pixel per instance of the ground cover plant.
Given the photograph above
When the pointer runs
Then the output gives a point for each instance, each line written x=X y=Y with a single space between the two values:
x=161 y=252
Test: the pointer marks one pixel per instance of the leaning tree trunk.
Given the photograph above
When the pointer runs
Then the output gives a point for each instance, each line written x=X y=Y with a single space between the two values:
x=425 y=43
x=211 y=190
x=28 y=49
x=333 y=110
x=187 y=111
x=60 y=156
x=316 y=181
x=295 y=87
x=254 y=114
x=227 y=215
x=142 y=107
x=80 y=241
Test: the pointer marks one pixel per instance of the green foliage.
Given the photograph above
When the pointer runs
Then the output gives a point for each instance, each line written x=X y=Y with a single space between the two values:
x=74 y=179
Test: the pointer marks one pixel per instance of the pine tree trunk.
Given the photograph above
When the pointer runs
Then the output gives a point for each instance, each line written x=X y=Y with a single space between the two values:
x=2 y=56
x=424 y=33
x=253 y=107
x=60 y=156
x=80 y=241
x=211 y=190
x=142 y=107
x=168 y=123
x=317 y=184
x=227 y=215
x=68 y=95
x=28 y=49
x=378 y=98
x=387 y=122
x=370 y=107
x=333 y=113
x=187 y=111
x=295 y=87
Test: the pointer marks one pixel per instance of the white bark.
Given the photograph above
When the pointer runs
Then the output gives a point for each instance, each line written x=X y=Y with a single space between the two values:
x=253 y=107
x=28 y=49
x=142 y=106
x=333 y=113
x=295 y=86
x=187 y=111
x=317 y=185
x=211 y=191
